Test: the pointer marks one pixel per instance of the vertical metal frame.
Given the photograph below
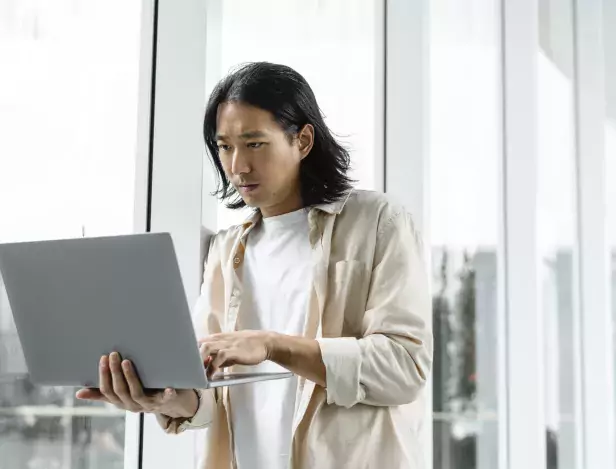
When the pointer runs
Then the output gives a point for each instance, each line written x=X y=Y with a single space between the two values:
x=132 y=441
x=176 y=154
x=569 y=452
x=406 y=121
x=406 y=106
x=214 y=72
x=380 y=116
x=525 y=414
x=594 y=260
x=133 y=434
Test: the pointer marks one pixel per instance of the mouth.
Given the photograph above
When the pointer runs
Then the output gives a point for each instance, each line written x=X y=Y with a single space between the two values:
x=247 y=188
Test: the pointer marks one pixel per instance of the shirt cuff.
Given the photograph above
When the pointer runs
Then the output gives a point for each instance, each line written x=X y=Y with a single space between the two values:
x=202 y=419
x=342 y=359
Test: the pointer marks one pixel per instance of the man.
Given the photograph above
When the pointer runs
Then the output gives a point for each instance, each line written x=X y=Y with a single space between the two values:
x=324 y=281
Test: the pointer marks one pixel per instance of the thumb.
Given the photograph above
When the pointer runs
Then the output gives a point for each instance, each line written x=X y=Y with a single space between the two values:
x=169 y=394
x=90 y=394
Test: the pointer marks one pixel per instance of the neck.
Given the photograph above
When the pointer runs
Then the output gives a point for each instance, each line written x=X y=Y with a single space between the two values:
x=291 y=204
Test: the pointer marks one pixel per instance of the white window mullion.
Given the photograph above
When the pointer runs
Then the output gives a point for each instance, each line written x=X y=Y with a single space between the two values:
x=526 y=445
x=594 y=262
x=406 y=106
x=406 y=157
x=378 y=162
x=132 y=443
x=177 y=171
x=213 y=74
x=133 y=425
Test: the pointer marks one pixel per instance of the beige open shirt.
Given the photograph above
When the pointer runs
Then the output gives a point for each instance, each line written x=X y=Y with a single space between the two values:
x=371 y=313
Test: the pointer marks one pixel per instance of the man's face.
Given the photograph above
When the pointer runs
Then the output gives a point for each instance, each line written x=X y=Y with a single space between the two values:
x=259 y=159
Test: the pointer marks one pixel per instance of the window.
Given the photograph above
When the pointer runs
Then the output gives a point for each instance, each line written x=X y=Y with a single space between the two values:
x=341 y=64
x=68 y=114
x=465 y=150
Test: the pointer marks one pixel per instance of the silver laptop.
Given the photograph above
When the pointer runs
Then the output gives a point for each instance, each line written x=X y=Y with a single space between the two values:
x=75 y=300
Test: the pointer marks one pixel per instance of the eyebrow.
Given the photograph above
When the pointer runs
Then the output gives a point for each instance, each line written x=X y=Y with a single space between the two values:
x=245 y=136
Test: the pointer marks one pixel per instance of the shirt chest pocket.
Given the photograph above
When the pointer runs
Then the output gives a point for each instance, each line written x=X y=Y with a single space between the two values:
x=346 y=306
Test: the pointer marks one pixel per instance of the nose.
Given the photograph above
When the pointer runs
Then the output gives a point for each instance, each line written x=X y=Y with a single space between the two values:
x=240 y=163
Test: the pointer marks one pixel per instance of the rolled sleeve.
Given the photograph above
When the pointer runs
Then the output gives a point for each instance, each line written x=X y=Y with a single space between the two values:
x=397 y=342
x=342 y=360
x=202 y=419
x=389 y=364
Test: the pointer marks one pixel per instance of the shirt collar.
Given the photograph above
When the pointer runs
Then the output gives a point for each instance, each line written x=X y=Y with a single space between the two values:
x=334 y=208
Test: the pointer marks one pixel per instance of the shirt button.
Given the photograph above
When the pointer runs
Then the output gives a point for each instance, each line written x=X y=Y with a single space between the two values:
x=236 y=261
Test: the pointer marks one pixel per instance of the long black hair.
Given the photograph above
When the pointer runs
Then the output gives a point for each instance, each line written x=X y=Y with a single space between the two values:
x=284 y=93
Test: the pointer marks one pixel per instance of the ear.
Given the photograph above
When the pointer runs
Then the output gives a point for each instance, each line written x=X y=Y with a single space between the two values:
x=305 y=139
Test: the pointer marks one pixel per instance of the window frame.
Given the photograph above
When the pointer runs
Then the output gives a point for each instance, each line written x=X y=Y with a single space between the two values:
x=173 y=88
x=594 y=266
x=406 y=158
x=172 y=99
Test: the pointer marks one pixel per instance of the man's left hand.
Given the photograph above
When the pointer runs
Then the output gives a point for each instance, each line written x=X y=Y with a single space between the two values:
x=235 y=348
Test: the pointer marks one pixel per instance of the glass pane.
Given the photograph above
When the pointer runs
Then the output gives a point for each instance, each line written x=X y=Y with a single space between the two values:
x=465 y=102
x=556 y=235
x=459 y=440
x=68 y=114
x=340 y=63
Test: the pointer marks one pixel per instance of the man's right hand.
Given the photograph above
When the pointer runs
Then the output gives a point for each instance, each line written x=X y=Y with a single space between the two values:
x=119 y=385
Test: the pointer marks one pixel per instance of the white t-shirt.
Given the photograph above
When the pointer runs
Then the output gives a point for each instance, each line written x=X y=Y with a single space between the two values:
x=277 y=280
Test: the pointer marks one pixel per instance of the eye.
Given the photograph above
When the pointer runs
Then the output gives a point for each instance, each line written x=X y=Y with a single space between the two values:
x=255 y=145
x=223 y=147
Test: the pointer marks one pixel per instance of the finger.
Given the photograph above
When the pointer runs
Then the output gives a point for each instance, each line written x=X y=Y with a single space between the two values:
x=106 y=383
x=90 y=394
x=135 y=387
x=213 y=338
x=168 y=395
x=223 y=359
x=120 y=386
x=207 y=350
x=207 y=361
